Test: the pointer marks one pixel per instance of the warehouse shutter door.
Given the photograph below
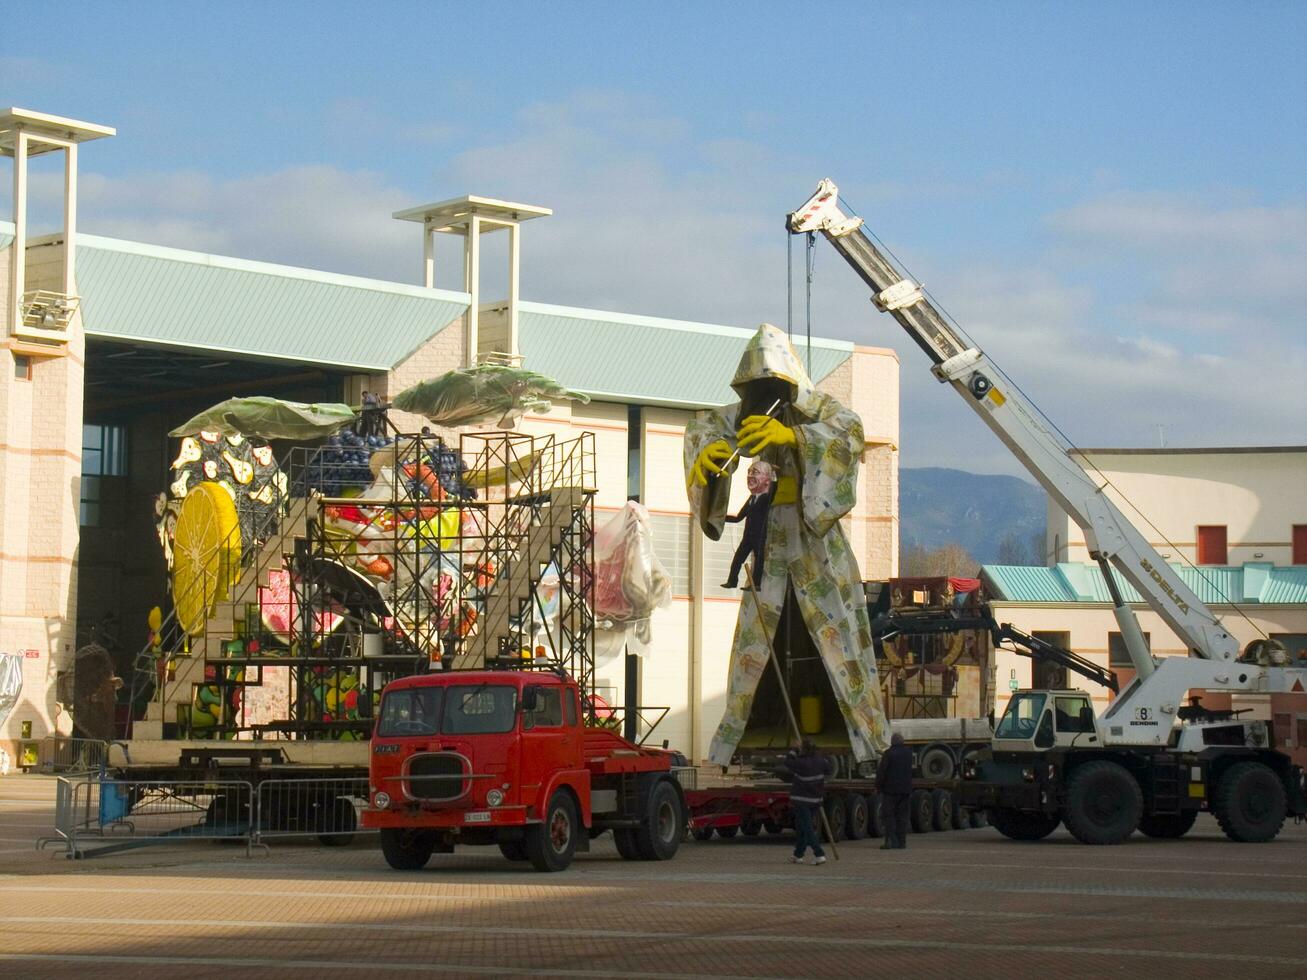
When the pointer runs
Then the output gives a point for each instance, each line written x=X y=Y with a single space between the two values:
x=1211 y=544
x=1300 y=544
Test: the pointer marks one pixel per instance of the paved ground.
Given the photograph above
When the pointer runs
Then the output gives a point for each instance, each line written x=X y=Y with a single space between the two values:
x=967 y=903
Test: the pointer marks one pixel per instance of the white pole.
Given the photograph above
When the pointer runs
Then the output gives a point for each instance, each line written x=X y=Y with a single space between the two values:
x=473 y=270
x=514 y=243
x=70 y=219
x=428 y=255
x=18 y=258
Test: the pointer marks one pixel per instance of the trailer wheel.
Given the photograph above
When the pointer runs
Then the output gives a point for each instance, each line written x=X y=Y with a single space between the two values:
x=514 y=850
x=837 y=815
x=726 y=833
x=336 y=820
x=875 y=819
x=750 y=826
x=659 y=833
x=921 y=809
x=1250 y=804
x=857 y=818
x=627 y=847
x=1167 y=826
x=1021 y=825
x=772 y=827
x=959 y=814
x=701 y=833
x=941 y=809
x=551 y=843
x=978 y=819
x=405 y=849
x=1103 y=803
x=937 y=763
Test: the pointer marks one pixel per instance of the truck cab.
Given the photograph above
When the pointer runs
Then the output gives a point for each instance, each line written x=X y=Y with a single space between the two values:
x=1042 y=720
x=504 y=757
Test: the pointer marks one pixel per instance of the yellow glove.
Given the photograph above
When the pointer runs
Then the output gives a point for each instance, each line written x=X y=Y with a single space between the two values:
x=709 y=461
x=758 y=432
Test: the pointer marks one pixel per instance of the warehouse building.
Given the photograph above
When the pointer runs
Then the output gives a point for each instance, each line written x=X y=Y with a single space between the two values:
x=112 y=343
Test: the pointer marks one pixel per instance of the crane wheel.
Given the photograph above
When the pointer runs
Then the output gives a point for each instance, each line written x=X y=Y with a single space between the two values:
x=1022 y=825
x=405 y=849
x=1103 y=803
x=978 y=818
x=1167 y=826
x=857 y=817
x=1250 y=803
x=551 y=843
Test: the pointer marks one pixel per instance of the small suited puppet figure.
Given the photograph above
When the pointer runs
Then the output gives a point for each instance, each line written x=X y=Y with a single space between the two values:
x=761 y=481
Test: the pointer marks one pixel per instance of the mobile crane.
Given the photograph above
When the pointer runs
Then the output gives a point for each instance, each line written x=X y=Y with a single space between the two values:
x=1142 y=764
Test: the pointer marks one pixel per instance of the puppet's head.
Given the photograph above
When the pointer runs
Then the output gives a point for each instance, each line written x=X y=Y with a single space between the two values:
x=760 y=476
x=770 y=370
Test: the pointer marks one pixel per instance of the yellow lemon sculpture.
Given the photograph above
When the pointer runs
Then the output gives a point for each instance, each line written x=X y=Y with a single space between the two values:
x=206 y=554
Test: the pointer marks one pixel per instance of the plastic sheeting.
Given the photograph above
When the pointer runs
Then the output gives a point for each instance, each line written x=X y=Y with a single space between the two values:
x=11 y=683
x=483 y=393
x=264 y=417
x=630 y=581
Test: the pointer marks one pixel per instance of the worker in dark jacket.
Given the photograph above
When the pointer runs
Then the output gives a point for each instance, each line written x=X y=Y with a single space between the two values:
x=894 y=783
x=807 y=769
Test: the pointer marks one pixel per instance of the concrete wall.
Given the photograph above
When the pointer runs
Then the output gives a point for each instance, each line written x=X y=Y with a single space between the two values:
x=1090 y=623
x=1258 y=496
x=40 y=474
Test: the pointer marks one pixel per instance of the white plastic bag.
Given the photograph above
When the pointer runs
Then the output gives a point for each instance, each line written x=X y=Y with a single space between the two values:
x=11 y=683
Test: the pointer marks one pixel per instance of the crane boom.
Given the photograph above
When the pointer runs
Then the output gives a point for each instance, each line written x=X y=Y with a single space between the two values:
x=1111 y=538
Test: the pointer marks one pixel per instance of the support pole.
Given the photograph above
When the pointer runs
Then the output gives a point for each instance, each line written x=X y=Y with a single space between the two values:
x=785 y=696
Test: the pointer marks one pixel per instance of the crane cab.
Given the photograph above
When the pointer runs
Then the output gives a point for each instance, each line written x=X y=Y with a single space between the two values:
x=1038 y=721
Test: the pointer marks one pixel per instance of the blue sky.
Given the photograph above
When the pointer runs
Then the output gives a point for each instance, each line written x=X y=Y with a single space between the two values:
x=1112 y=198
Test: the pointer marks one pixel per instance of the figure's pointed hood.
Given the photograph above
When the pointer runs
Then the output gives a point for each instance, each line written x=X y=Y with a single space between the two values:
x=769 y=354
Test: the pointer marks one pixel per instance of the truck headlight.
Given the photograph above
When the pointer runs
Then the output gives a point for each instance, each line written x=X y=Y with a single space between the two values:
x=381 y=800
x=1028 y=774
x=495 y=797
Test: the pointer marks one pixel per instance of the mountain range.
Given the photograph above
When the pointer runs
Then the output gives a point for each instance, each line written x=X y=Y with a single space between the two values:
x=939 y=506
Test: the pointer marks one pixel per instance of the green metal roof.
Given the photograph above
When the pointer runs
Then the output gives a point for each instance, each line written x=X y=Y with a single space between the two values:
x=1071 y=582
x=175 y=298
x=643 y=359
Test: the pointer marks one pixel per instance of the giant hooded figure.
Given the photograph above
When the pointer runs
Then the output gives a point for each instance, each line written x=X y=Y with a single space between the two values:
x=809 y=571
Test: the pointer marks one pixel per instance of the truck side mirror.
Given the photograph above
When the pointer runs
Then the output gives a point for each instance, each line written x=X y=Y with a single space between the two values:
x=530 y=697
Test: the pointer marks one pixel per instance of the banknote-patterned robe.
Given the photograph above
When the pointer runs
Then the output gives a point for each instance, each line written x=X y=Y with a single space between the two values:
x=806 y=547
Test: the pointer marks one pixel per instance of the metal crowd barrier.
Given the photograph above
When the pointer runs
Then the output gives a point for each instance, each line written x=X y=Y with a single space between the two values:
x=326 y=808
x=62 y=754
x=118 y=815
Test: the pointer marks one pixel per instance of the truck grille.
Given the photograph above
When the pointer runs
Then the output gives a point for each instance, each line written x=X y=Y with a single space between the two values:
x=437 y=764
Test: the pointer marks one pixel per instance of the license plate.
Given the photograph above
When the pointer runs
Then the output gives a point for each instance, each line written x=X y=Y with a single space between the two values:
x=477 y=816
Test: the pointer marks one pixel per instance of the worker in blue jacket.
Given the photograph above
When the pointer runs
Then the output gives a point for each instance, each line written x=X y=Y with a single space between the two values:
x=807 y=770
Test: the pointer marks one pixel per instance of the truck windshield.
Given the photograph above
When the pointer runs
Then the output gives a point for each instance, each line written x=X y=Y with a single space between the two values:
x=411 y=711
x=1021 y=717
x=480 y=709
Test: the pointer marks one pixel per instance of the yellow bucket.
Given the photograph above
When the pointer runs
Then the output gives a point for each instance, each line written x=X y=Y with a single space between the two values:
x=810 y=714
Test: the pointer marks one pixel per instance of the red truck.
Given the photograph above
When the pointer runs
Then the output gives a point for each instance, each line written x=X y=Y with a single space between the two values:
x=505 y=757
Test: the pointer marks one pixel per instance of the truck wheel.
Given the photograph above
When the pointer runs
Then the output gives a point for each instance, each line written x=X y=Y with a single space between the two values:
x=875 y=820
x=978 y=818
x=857 y=818
x=659 y=833
x=750 y=826
x=837 y=815
x=626 y=846
x=937 y=763
x=941 y=807
x=406 y=849
x=1167 y=826
x=514 y=850
x=1250 y=805
x=551 y=843
x=1103 y=803
x=1020 y=825
x=922 y=811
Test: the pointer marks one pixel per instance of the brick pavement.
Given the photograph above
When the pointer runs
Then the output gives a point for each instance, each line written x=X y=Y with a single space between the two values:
x=967 y=903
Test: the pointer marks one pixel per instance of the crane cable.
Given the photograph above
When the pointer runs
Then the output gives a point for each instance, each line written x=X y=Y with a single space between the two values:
x=1067 y=442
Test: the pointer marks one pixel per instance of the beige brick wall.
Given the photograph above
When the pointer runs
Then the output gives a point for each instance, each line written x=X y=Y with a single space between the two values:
x=442 y=352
